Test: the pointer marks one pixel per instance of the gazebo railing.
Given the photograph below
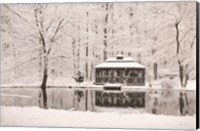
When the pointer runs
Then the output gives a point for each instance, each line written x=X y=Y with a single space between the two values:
x=123 y=80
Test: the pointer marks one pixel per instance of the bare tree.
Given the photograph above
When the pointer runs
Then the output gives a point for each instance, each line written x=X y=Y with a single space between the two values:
x=46 y=35
x=107 y=7
x=87 y=46
x=184 y=68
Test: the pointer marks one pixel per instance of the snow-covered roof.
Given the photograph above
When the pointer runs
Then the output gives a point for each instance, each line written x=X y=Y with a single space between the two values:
x=126 y=62
x=120 y=65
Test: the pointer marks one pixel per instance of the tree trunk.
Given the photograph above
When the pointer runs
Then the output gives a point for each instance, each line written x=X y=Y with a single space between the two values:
x=181 y=68
x=186 y=80
x=155 y=68
x=86 y=100
x=91 y=71
x=87 y=48
x=44 y=82
x=86 y=69
x=129 y=54
x=74 y=97
x=139 y=57
x=92 y=101
x=78 y=50
x=181 y=73
x=184 y=77
x=40 y=67
x=130 y=24
x=105 y=31
x=177 y=37
x=74 y=54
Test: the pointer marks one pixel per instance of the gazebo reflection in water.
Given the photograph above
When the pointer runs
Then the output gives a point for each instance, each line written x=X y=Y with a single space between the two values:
x=115 y=74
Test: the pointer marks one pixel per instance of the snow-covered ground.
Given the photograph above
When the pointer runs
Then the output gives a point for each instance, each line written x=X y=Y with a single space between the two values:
x=34 y=116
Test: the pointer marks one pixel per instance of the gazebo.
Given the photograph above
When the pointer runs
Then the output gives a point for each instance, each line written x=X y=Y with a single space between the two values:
x=120 y=70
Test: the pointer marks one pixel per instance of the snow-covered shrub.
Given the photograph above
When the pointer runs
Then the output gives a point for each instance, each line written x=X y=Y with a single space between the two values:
x=79 y=78
x=167 y=83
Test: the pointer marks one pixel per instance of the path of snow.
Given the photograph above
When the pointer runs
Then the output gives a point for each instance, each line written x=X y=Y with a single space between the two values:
x=34 y=116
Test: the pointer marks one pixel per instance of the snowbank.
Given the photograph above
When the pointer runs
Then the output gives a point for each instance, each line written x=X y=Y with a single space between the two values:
x=34 y=116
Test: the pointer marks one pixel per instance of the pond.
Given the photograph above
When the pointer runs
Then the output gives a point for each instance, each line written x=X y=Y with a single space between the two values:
x=82 y=99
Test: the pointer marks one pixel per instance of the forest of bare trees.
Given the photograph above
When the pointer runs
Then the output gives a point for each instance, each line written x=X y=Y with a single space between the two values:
x=47 y=44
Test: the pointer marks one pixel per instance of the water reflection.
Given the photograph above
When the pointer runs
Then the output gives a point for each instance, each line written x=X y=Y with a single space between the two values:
x=151 y=101
x=120 y=99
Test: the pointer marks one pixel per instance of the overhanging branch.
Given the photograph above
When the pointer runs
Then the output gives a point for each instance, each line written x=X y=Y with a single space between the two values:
x=20 y=16
x=22 y=63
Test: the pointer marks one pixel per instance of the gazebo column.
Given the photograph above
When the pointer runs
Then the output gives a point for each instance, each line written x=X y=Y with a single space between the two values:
x=96 y=75
x=121 y=75
x=101 y=76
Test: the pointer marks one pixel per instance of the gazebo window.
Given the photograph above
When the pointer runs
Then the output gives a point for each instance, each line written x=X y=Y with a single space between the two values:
x=118 y=72
x=132 y=74
x=140 y=74
x=127 y=72
x=98 y=73
x=105 y=73
x=111 y=73
x=135 y=73
x=115 y=73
